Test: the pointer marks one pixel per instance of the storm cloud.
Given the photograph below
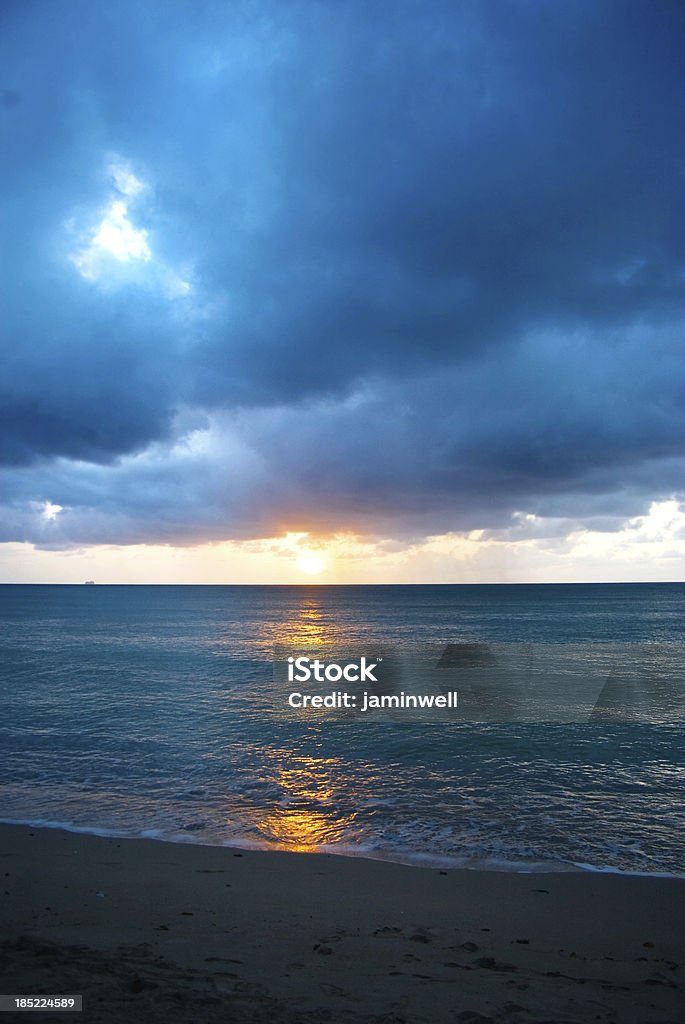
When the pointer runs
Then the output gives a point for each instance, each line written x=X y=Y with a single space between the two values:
x=397 y=269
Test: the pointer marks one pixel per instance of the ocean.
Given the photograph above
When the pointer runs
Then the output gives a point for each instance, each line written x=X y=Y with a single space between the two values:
x=152 y=711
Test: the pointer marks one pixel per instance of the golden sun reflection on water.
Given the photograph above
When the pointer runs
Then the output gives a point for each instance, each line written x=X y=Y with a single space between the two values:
x=307 y=815
x=309 y=629
x=306 y=819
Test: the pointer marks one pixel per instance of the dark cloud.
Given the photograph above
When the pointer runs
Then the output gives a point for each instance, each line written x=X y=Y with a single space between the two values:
x=435 y=262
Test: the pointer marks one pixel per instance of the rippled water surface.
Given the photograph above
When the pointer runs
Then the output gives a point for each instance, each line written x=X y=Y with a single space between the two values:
x=150 y=710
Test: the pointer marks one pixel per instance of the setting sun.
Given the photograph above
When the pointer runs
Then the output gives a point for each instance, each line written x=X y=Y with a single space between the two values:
x=311 y=563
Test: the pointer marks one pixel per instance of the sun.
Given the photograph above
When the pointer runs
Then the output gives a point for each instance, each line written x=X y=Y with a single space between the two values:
x=311 y=563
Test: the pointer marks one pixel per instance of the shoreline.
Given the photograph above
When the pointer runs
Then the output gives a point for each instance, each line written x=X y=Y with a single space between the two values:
x=411 y=860
x=157 y=929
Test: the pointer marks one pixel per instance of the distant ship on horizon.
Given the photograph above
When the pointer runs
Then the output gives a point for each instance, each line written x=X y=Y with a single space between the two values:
x=89 y=583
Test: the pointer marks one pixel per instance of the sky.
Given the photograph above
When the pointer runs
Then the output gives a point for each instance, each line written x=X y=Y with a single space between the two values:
x=342 y=291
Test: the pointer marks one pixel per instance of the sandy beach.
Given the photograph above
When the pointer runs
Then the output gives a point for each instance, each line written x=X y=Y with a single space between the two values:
x=150 y=931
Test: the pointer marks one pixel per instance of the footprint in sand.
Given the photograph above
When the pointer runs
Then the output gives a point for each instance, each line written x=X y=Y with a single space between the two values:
x=490 y=964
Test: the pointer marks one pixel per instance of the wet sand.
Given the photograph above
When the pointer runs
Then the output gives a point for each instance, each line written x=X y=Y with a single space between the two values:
x=152 y=931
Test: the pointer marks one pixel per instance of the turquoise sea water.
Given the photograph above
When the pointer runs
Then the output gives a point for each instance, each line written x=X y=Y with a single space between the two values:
x=150 y=711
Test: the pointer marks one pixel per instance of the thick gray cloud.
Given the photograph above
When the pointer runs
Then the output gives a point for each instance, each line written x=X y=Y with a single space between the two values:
x=405 y=268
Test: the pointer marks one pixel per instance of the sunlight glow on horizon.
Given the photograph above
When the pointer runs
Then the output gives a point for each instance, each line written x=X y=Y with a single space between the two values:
x=311 y=563
x=648 y=548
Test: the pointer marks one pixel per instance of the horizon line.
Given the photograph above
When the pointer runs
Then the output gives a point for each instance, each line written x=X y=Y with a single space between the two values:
x=413 y=583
